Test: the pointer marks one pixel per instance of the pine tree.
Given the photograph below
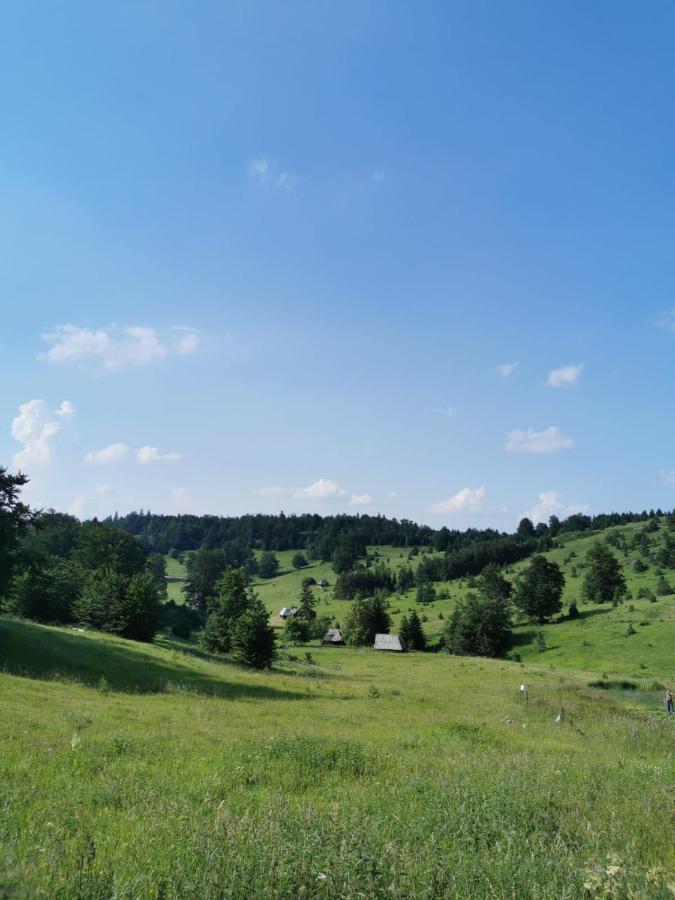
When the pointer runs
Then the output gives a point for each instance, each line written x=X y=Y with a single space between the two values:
x=307 y=606
x=415 y=639
x=253 y=641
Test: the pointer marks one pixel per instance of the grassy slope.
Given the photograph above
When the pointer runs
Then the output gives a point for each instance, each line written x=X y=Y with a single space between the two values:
x=597 y=641
x=418 y=775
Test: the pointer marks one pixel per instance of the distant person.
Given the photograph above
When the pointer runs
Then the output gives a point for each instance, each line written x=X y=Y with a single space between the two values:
x=669 y=702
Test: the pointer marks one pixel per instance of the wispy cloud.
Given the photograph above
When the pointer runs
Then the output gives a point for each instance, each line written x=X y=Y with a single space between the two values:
x=668 y=477
x=378 y=176
x=466 y=500
x=264 y=171
x=549 y=440
x=504 y=370
x=565 y=375
x=551 y=503
x=667 y=321
x=35 y=426
x=179 y=496
x=447 y=412
x=115 y=348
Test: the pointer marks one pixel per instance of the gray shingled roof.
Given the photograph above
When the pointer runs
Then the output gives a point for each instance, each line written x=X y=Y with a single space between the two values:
x=333 y=636
x=389 y=642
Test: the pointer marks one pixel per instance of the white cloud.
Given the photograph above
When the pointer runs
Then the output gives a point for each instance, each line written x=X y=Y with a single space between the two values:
x=116 y=348
x=565 y=375
x=180 y=495
x=77 y=507
x=466 y=500
x=113 y=453
x=549 y=440
x=103 y=490
x=34 y=427
x=66 y=410
x=272 y=490
x=667 y=321
x=360 y=500
x=447 y=411
x=322 y=489
x=187 y=339
x=263 y=171
x=147 y=455
x=506 y=369
x=258 y=169
x=668 y=476
x=378 y=176
x=551 y=503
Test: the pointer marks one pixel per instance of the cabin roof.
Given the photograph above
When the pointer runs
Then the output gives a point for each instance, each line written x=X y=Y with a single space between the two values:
x=389 y=642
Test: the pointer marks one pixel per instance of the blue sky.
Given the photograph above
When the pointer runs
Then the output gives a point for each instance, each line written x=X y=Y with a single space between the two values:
x=272 y=256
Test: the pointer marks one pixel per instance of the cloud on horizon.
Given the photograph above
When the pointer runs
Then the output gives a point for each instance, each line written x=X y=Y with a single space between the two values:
x=466 y=500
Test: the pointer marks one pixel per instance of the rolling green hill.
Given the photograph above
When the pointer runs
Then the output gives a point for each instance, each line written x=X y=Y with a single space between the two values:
x=599 y=641
x=130 y=770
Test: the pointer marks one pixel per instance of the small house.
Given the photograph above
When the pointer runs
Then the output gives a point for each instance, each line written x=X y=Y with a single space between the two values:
x=288 y=612
x=322 y=583
x=389 y=642
x=333 y=637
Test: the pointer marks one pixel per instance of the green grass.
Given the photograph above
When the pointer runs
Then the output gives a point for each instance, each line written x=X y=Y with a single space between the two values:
x=176 y=574
x=415 y=776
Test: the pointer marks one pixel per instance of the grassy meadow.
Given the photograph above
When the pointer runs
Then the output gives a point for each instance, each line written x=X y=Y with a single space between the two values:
x=158 y=771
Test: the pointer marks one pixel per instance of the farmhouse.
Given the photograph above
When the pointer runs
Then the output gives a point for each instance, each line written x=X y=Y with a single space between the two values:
x=322 y=583
x=288 y=612
x=389 y=642
x=333 y=637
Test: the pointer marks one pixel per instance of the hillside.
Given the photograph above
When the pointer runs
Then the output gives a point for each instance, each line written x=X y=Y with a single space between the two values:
x=595 y=642
x=132 y=770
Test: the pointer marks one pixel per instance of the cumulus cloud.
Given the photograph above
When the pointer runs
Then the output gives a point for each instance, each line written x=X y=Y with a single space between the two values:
x=34 y=427
x=322 y=489
x=267 y=172
x=466 y=500
x=565 y=375
x=113 y=453
x=147 y=455
x=550 y=503
x=103 y=490
x=360 y=500
x=114 y=349
x=549 y=440
x=506 y=369
x=66 y=410
x=179 y=495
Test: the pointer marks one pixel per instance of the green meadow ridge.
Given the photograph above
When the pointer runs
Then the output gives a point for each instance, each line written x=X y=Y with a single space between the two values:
x=131 y=769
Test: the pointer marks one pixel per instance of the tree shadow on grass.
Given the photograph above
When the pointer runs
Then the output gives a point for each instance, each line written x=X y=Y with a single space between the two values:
x=589 y=613
x=44 y=653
